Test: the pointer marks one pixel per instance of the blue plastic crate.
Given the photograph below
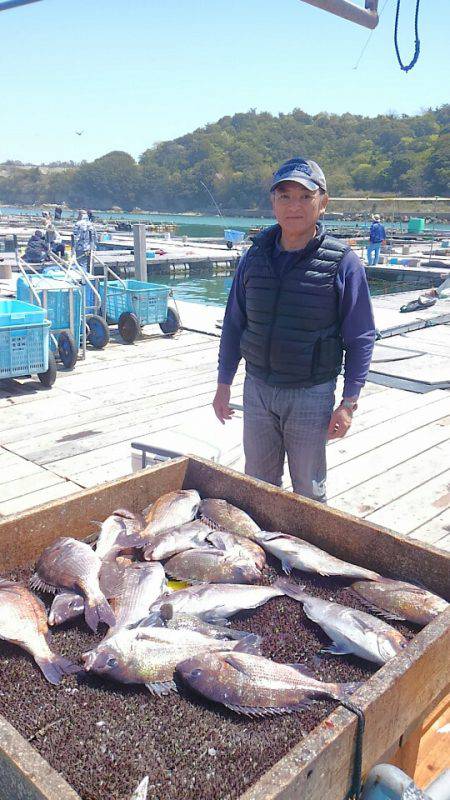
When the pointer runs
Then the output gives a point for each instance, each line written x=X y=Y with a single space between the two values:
x=55 y=294
x=147 y=300
x=16 y=312
x=233 y=236
x=24 y=351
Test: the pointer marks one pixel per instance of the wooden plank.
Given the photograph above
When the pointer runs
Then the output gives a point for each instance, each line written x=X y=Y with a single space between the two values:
x=434 y=747
x=407 y=513
x=346 y=449
x=32 y=499
x=98 y=475
x=376 y=479
x=26 y=485
x=444 y=543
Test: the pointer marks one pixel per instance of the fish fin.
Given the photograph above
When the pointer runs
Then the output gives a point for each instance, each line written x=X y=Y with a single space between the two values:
x=255 y=711
x=235 y=664
x=162 y=688
x=141 y=791
x=286 y=566
x=335 y=650
x=100 y=612
x=249 y=644
x=294 y=590
x=39 y=585
x=302 y=669
x=111 y=577
x=56 y=666
x=232 y=633
x=380 y=612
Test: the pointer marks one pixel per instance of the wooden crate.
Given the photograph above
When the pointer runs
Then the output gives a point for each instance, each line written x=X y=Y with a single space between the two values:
x=395 y=700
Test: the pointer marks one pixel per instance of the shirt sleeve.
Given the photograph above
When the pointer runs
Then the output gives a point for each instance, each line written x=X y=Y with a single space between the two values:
x=357 y=322
x=234 y=323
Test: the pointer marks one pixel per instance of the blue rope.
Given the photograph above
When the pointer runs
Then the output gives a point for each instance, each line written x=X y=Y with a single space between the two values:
x=415 y=57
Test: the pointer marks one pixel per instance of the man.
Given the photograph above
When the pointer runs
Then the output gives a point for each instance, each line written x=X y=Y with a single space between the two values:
x=298 y=300
x=37 y=248
x=85 y=239
x=377 y=237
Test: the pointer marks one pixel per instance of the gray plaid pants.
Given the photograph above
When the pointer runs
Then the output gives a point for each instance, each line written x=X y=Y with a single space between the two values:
x=288 y=421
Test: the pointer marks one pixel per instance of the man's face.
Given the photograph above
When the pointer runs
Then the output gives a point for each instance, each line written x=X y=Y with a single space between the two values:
x=296 y=208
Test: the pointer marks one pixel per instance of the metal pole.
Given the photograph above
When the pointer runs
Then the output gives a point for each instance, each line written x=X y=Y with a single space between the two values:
x=140 y=254
x=432 y=230
x=367 y=16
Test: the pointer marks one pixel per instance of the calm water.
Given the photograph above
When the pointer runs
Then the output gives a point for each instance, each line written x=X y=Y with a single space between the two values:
x=213 y=291
x=202 y=225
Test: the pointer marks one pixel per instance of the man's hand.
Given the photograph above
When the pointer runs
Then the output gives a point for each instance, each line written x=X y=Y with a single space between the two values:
x=340 y=422
x=221 y=403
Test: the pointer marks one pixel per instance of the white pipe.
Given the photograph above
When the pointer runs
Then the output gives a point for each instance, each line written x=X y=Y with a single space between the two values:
x=367 y=17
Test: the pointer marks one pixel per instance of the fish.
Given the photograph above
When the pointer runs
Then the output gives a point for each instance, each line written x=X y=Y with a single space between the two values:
x=180 y=621
x=400 y=600
x=214 y=602
x=255 y=686
x=247 y=548
x=212 y=566
x=169 y=543
x=143 y=583
x=23 y=621
x=65 y=606
x=121 y=528
x=351 y=631
x=223 y=515
x=170 y=511
x=149 y=655
x=70 y=564
x=296 y=553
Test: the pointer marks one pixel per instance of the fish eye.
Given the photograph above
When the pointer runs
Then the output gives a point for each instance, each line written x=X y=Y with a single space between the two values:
x=196 y=673
x=112 y=662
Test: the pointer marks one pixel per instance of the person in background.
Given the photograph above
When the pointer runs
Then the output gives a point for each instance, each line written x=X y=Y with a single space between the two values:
x=37 y=248
x=441 y=292
x=58 y=213
x=90 y=215
x=299 y=301
x=377 y=237
x=54 y=240
x=84 y=239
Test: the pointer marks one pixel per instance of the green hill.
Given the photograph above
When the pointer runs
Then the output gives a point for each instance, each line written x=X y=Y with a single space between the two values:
x=235 y=157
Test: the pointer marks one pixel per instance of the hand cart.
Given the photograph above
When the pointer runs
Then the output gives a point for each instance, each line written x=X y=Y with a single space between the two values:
x=63 y=303
x=131 y=304
x=24 y=342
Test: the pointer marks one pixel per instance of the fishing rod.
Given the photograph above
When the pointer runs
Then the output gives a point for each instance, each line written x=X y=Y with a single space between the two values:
x=212 y=198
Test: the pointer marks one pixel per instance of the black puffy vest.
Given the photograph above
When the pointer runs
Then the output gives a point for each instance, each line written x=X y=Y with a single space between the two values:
x=292 y=337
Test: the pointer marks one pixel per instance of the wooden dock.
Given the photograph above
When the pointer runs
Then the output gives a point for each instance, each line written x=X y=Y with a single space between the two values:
x=392 y=468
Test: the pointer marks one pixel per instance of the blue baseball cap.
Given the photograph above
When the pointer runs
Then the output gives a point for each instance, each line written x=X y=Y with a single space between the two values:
x=307 y=173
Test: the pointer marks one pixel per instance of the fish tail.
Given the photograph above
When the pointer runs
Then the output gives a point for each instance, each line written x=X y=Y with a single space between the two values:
x=344 y=690
x=293 y=590
x=98 y=612
x=54 y=667
x=249 y=644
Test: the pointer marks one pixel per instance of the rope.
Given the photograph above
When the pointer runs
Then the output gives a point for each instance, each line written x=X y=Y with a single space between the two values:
x=355 y=789
x=415 y=57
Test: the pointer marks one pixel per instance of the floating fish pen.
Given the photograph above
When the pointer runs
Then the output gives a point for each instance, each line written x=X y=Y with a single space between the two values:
x=95 y=740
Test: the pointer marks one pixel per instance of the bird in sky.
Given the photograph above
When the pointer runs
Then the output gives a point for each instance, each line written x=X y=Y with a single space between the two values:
x=78 y=133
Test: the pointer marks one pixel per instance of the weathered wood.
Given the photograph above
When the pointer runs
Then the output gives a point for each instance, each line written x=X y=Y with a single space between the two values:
x=407 y=513
x=24 y=774
x=398 y=468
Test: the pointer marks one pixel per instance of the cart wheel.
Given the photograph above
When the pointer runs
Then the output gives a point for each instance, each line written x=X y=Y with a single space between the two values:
x=172 y=323
x=48 y=378
x=67 y=349
x=229 y=245
x=129 y=327
x=98 y=331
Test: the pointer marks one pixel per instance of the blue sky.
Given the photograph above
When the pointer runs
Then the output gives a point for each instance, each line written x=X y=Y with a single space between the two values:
x=134 y=73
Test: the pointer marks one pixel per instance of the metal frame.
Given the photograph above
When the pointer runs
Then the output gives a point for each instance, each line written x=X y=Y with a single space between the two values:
x=366 y=16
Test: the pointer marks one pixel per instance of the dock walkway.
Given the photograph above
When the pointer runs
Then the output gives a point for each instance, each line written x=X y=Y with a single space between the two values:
x=392 y=468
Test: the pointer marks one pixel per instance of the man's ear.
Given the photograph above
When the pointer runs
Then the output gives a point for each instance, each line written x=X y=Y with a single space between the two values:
x=324 y=200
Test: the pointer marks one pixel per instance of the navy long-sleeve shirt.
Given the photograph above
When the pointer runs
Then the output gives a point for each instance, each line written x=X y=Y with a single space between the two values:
x=354 y=309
